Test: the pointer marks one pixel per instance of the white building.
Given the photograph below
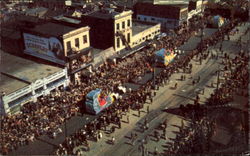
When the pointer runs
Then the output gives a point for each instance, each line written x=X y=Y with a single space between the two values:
x=196 y=7
x=144 y=31
x=24 y=80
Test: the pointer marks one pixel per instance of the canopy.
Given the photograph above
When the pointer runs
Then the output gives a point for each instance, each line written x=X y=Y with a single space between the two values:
x=95 y=103
x=164 y=56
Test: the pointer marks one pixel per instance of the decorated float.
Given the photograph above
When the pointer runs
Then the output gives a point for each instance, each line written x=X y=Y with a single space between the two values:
x=164 y=57
x=96 y=101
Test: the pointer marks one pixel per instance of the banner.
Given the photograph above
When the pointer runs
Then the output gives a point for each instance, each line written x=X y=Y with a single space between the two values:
x=47 y=48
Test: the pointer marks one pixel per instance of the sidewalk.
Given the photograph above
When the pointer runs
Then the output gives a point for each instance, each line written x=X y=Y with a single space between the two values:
x=155 y=116
x=174 y=121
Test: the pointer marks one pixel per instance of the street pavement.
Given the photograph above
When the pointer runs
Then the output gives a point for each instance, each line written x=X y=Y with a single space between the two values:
x=166 y=98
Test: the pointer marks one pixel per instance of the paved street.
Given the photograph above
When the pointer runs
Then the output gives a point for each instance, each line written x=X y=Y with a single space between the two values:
x=166 y=99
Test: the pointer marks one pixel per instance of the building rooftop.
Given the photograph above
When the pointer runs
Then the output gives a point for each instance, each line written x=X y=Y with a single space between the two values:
x=104 y=14
x=138 y=26
x=46 y=28
x=17 y=72
x=165 y=1
x=167 y=4
x=9 y=85
x=67 y=19
x=10 y=33
x=40 y=11
x=109 y=13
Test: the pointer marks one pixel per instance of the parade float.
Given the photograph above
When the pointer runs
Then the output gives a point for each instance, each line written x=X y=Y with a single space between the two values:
x=216 y=21
x=164 y=57
x=96 y=101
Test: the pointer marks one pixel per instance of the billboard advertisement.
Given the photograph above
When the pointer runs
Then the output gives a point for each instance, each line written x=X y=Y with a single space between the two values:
x=47 y=48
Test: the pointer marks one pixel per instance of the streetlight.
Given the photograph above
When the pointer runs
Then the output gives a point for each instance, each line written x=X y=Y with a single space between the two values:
x=65 y=122
x=154 y=73
x=202 y=21
x=218 y=78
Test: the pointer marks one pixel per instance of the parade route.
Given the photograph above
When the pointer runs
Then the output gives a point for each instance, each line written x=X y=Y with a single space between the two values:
x=166 y=99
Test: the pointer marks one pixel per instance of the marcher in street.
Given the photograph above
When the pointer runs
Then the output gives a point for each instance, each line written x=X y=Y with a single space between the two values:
x=113 y=140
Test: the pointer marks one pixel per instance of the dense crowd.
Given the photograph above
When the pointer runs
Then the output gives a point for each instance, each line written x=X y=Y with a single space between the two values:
x=135 y=99
x=196 y=138
x=47 y=114
x=236 y=77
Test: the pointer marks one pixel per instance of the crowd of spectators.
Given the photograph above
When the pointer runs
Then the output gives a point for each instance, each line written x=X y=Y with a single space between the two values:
x=196 y=137
x=47 y=114
x=129 y=69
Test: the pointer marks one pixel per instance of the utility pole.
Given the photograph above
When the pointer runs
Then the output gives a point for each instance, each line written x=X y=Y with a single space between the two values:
x=202 y=26
x=65 y=124
x=154 y=73
x=218 y=78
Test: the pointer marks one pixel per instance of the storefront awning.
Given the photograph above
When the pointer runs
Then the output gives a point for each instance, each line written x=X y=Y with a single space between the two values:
x=77 y=55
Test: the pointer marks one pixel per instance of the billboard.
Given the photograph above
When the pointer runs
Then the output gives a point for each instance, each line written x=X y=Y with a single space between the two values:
x=47 y=48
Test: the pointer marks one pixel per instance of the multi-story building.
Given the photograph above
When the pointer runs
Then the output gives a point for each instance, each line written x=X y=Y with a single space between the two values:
x=196 y=7
x=24 y=80
x=110 y=27
x=170 y=16
x=65 y=45
x=144 y=31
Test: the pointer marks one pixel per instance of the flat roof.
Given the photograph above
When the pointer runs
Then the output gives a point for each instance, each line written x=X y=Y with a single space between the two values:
x=52 y=29
x=103 y=15
x=138 y=27
x=10 y=33
x=107 y=13
x=21 y=72
x=169 y=4
x=9 y=85
x=67 y=19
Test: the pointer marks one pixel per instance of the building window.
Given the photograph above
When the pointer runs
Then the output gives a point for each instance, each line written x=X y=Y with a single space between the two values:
x=68 y=46
x=39 y=90
x=85 y=40
x=128 y=23
x=123 y=25
x=138 y=18
x=77 y=42
x=118 y=42
x=54 y=83
x=117 y=26
x=145 y=19
x=128 y=37
x=20 y=99
x=152 y=19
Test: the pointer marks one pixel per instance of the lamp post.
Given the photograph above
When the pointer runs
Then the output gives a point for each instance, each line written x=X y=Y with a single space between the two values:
x=154 y=73
x=202 y=23
x=218 y=78
x=65 y=123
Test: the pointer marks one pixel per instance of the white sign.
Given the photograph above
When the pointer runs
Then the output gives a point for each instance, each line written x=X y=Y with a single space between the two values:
x=68 y=3
x=47 y=48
